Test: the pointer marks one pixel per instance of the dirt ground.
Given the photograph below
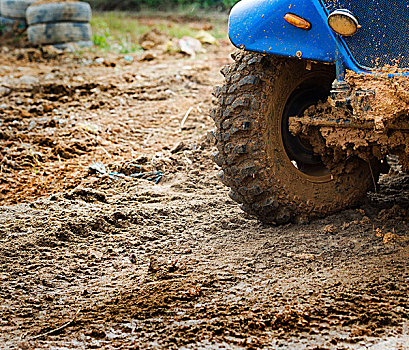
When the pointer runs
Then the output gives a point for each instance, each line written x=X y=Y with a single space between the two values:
x=115 y=232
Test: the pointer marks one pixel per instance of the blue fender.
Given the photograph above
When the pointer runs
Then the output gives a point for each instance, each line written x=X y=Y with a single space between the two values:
x=259 y=26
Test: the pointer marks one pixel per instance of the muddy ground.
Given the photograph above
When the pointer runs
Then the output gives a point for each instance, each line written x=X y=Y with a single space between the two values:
x=92 y=257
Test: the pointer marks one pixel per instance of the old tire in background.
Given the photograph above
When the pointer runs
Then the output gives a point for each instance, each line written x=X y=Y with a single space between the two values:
x=15 y=8
x=59 y=12
x=9 y=25
x=56 y=33
x=273 y=174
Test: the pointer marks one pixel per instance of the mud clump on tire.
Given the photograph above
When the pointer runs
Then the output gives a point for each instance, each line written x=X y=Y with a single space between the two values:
x=383 y=128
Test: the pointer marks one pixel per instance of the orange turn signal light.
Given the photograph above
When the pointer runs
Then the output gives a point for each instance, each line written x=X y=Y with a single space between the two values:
x=297 y=21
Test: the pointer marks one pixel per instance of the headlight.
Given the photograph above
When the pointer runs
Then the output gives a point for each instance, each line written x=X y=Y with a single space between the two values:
x=343 y=22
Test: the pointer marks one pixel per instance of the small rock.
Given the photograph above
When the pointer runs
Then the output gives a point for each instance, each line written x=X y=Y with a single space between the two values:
x=32 y=125
x=153 y=38
x=148 y=57
x=206 y=38
x=95 y=254
x=47 y=108
x=97 y=334
x=4 y=91
x=304 y=256
x=190 y=46
x=391 y=237
x=49 y=76
x=147 y=45
x=330 y=229
x=179 y=147
x=153 y=264
x=28 y=80
x=51 y=51
x=25 y=114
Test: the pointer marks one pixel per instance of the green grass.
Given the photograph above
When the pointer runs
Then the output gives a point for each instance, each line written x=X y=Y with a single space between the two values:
x=116 y=31
x=120 y=31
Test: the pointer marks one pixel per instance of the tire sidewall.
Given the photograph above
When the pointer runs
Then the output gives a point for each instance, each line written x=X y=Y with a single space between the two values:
x=57 y=33
x=59 y=12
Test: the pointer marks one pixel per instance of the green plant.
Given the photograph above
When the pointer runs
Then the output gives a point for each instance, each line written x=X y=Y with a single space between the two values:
x=229 y=3
x=116 y=32
x=101 y=40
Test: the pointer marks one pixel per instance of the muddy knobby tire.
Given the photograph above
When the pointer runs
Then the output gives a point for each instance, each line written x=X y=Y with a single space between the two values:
x=254 y=165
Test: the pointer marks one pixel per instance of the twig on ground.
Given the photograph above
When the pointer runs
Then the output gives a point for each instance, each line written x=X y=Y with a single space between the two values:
x=187 y=159
x=65 y=325
x=106 y=152
x=182 y=123
x=145 y=142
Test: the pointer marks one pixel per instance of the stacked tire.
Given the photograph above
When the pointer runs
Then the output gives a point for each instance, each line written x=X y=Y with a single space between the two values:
x=59 y=23
x=13 y=15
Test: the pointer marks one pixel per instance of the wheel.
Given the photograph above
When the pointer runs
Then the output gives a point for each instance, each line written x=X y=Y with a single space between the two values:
x=273 y=174
x=59 y=12
x=55 y=33
x=15 y=8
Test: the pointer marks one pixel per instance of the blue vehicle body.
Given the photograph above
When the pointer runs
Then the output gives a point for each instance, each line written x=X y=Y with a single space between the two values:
x=259 y=26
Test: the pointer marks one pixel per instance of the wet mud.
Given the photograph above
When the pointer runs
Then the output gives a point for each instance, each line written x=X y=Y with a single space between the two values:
x=104 y=259
x=369 y=129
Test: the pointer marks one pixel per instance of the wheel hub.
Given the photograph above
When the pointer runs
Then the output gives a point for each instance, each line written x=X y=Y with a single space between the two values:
x=298 y=148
